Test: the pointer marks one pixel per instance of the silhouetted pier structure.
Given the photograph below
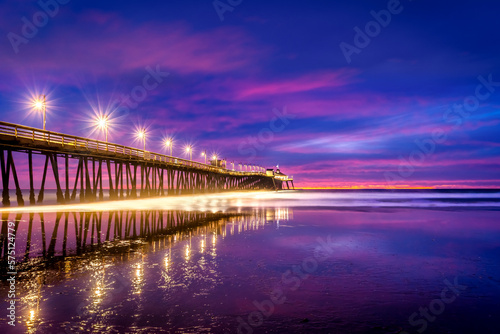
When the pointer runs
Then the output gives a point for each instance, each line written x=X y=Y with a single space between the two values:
x=125 y=172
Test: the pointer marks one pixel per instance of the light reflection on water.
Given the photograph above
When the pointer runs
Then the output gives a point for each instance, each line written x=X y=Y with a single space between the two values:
x=289 y=198
x=103 y=255
x=163 y=270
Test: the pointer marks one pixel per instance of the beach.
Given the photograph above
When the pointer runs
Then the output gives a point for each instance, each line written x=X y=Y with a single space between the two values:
x=265 y=262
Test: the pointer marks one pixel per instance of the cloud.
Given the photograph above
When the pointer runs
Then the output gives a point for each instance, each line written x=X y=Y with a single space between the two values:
x=106 y=45
x=305 y=83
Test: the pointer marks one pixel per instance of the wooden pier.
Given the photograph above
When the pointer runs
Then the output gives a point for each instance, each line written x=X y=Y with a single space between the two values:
x=124 y=172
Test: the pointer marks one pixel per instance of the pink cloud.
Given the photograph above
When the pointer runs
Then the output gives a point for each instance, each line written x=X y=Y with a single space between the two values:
x=115 y=46
x=304 y=83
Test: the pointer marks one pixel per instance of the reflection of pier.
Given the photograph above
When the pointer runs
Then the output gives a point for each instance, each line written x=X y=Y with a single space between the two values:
x=75 y=233
x=84 y=230
x=105 y=166
x=110 y=257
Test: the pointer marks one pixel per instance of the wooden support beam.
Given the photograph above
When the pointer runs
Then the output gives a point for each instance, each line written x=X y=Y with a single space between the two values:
x=118 y=179
x=66 y=178
x=134 y=182
x=88 y=183
x=42 y=187
x=127 y=173
x=101 y=193
x=169 y=181
x=162 y=179
x=98 y=180
x=110 y=180
x=120 y=172
x=94 y=183
x=5 y=180
x=142 y=180
x=55 y=170
x=19 y=193
x=30 y=170
x=82 y=180
x=148 y=186
x=180 y=178
x=78 y=172
x=153 y=181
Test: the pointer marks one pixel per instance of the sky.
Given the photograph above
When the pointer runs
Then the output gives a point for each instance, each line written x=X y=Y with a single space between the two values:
x=337 y=93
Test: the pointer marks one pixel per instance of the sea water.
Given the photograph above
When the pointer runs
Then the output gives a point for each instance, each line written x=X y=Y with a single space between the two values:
x=409 y=261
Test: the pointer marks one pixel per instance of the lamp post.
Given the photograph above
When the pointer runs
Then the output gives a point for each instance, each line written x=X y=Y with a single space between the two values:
x=189 y=150
x=141 y=134
x=102 y=122
x=41 y=104
x=169 y=143
x=204 y=154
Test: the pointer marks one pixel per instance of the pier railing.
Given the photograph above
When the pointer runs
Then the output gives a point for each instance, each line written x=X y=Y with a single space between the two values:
x=51 y=138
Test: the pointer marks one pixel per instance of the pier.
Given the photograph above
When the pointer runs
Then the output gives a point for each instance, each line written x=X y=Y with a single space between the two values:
x=82 y=168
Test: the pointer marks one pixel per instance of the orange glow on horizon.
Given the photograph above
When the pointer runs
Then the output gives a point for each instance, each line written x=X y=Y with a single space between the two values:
x=365 y=187
x=383 y=187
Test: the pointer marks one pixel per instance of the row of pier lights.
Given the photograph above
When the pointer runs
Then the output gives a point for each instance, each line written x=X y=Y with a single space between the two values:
x=102 y=122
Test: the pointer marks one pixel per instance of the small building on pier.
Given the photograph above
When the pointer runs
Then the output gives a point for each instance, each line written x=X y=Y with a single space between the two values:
x=278 y=175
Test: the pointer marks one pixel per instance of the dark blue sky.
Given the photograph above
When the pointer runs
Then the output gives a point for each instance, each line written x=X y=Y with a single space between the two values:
x=391 y=113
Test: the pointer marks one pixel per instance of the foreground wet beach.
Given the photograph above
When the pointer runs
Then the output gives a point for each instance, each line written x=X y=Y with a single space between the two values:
x=264 y=263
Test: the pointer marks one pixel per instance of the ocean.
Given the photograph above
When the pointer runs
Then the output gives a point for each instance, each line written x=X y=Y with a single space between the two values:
x=305 y=261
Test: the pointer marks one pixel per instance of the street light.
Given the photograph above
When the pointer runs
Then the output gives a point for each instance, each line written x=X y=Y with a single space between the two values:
x=214 y=159
x=41 y=105
x=141 y=134
x=169 y=143
x=102 y=123
x=189 y=149
x=204 y=154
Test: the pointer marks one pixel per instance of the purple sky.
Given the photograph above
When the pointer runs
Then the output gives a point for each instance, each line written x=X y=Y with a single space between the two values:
x=410 y=101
